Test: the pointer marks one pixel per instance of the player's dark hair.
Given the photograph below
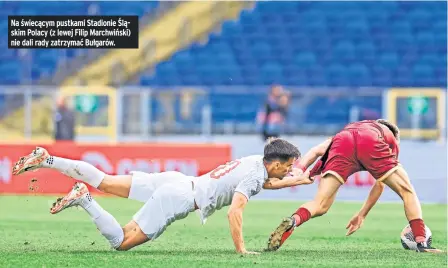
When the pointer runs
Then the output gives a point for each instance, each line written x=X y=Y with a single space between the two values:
x=392 y=127
x=279 y=149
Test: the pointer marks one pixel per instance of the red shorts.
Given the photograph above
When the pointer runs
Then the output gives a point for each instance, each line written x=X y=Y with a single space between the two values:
x=361 y=149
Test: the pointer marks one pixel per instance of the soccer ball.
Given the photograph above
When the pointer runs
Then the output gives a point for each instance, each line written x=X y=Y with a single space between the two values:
x=407 y=238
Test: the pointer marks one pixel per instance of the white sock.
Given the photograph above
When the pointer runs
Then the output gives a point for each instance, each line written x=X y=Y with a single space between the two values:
x=104 y=221
x=79 y=170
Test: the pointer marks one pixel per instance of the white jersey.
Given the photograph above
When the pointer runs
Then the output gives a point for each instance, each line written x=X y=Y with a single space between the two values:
x=215 y=189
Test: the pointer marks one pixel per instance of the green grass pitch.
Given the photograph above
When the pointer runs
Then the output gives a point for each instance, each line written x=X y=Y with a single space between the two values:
x=32 y=237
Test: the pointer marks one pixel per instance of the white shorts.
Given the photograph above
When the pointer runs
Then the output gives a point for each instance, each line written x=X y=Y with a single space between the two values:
x=170 y=202
x=144 y=184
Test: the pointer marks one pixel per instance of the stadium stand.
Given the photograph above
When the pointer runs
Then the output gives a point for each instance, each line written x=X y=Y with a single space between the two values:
x=164 y=31
x=166 y=34
x=317 y=44
x=355 y=44
x=14 y=64
x=300 y=44
x=25 y=67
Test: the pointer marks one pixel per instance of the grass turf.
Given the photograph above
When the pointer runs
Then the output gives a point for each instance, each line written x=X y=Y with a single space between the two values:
x=32 y=237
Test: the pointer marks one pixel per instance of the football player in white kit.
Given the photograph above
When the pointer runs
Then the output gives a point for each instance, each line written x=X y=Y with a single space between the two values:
x=170 y=196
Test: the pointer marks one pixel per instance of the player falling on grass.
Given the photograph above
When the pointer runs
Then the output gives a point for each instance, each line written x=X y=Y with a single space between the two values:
x=171 y=196
x=365 y=145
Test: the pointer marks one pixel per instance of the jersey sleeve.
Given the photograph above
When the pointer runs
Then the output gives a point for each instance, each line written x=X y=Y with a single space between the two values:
x=251 y=184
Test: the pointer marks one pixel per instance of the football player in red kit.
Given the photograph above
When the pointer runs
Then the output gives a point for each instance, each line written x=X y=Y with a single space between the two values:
x=371 y=145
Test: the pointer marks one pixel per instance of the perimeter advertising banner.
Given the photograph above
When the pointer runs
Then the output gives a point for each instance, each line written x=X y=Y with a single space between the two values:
x=190 y=159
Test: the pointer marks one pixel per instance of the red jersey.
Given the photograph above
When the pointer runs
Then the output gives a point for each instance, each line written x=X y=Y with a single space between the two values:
x=364 y=145
x=386 y=133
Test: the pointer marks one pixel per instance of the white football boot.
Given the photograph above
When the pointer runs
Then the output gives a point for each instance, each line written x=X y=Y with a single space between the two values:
x=77 y=196
x=33 y=161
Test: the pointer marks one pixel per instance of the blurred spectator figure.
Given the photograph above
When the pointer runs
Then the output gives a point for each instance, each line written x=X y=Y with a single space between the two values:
x=272 y=117
x=284 y=104
x=65 y=121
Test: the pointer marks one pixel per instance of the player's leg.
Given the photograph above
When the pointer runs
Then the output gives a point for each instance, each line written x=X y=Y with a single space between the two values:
x=139 y=186
x=119 y=238
x=80 y=170
x=136 y=186
x=169 y=203
x=133 y=236
x=326 y=194
x=399 y=182
x=339 y=165
x=382 y=163
x=104 y=221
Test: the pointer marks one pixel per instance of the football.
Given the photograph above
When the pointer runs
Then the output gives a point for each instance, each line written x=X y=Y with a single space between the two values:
x=407 y=238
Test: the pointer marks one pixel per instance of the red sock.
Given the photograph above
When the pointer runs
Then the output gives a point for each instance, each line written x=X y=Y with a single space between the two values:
x=418 y=229
x=302 y=215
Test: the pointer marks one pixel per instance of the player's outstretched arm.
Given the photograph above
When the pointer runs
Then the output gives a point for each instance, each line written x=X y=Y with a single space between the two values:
x=312 y=155
x=356 y=221
x=297 y=178
x=235 y=215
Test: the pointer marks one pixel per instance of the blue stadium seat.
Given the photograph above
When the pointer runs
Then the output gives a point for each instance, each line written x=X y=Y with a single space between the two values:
x=402 y=76
x=12 y=71
x=317 y=76
x=423 y=74
x=271 y=73
x=305 y=59
x=366 y=52
x=359 y=75
x=319 y=44
x=345 y=51
x=337 y=74
x=389 y=60
x=46 y=61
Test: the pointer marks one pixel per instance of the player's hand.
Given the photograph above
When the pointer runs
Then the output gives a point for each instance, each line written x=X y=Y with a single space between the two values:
x=305 y=178
x=296 y=172
x=354 y=224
